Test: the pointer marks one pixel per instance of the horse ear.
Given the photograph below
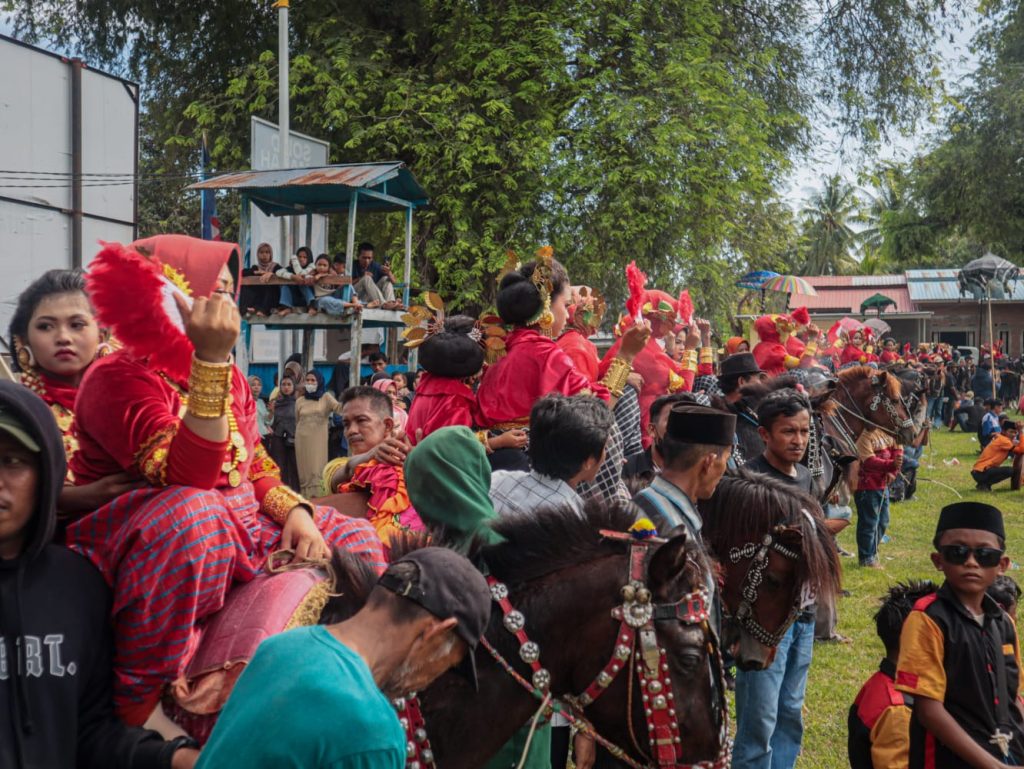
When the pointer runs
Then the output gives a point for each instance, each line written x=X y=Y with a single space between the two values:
x=669 y=560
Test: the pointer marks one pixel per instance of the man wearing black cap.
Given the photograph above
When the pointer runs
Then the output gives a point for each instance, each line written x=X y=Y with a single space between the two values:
x=737 y=371
x=320 y=696
x=695 y=450
x=958 y=651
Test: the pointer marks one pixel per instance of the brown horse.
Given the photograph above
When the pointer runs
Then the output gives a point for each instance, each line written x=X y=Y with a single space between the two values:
x=773 y=545
x=868 y=397
x=566 y=578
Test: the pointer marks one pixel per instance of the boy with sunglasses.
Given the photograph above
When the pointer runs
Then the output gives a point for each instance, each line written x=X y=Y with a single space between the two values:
x=959 y=656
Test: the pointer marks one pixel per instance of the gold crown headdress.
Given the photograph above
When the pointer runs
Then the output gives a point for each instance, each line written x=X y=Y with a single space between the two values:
x=589 y=306
x=542 y=280
x=421 y=323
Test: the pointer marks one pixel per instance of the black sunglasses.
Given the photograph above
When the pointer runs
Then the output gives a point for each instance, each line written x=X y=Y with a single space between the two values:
x=987 y=557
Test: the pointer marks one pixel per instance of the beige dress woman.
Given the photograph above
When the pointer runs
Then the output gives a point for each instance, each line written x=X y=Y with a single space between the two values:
x=311 y=423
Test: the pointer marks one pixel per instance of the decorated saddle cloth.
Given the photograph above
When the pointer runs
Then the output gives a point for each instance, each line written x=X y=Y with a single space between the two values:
x=255 y=610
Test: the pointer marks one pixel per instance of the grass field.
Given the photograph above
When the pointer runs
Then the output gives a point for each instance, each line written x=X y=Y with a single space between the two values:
x=838 y=670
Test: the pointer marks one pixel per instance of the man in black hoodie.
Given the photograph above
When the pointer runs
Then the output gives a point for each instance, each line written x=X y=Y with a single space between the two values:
x=56 y=707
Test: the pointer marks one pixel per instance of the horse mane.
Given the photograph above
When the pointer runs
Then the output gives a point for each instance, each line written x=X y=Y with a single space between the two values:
x=535 y=545
x=555 y=538
x=746 y=505
x=893 y=385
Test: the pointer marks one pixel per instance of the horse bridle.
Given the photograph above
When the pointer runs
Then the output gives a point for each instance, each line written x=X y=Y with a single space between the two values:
x=880 y=398
x=758 y=554
x=636 y=644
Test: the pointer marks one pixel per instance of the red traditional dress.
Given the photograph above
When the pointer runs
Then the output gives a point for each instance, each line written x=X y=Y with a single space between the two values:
x=775 y=353
x=60 y=397
x=852 y=354
x=389 y=508
x=889 y=356
x=208 y=519
x=532 y=367
x=439 y=402
x=582 y=353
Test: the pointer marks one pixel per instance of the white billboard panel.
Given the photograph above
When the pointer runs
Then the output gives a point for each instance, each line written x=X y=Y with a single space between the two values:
x=37 y=136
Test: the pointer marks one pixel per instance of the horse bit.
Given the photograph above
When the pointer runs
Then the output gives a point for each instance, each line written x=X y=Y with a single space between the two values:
x=636 y=643
x=758 y=553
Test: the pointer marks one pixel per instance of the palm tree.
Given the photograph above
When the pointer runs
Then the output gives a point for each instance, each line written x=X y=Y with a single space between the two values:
x=829 y=240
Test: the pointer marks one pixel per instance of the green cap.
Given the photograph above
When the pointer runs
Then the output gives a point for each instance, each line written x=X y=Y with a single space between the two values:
x=13 y=426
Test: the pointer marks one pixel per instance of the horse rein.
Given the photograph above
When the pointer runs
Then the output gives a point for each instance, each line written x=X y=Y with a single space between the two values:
x=636 y=643
x=758 y=554
x=879 y=399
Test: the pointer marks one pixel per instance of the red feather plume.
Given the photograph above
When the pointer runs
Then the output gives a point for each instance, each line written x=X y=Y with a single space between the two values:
x=637 y=282
x=126 y=290
x=685 y=307
x=801 y=316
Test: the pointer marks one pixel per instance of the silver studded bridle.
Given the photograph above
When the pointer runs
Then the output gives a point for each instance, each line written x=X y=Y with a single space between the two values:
x=758 y=554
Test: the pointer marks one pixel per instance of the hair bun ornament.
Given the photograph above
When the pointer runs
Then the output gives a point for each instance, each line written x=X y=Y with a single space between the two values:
x=491 y=336
x=543 y=282
x=421 y=323
x=511 y=265
x=588 y=306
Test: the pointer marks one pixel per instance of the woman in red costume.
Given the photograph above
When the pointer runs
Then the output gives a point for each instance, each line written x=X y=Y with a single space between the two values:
x=890 y=353
x=172 y=408
x=661 y=375
x=853 y=353
x=775 y=331
x=532 y=300
x=584 y=318
x=56 y=338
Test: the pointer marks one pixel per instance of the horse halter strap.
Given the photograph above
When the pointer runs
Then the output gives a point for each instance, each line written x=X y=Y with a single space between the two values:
x=880 y=399
x=636 y=640
x=758 y=553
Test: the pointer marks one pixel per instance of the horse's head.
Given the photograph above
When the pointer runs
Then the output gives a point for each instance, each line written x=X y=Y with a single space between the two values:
x=875 y=398
x=774 y=551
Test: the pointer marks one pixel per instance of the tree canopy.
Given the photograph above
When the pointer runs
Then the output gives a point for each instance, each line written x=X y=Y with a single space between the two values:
x=614 y=131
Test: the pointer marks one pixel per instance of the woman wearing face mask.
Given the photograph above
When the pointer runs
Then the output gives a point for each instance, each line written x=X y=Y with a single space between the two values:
x=56 y=338
x=312 y=411
x=282 y=441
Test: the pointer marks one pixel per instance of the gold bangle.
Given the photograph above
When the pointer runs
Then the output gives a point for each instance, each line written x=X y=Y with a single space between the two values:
x=811 y=348
x=328 y=474
x=481 y=435
x=616 y=376
x=707 y=355
x=689 y=362
x=280 y=501
x=209 y=388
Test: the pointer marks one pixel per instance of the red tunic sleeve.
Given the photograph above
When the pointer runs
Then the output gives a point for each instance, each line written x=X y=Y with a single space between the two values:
x=439 y=402
x=582 y=353
x=127 y=419
x=533 y=367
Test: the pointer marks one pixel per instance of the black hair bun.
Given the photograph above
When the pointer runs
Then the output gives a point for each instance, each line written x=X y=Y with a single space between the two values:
x=453 y=353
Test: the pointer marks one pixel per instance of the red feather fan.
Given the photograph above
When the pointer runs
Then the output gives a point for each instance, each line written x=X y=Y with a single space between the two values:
x=126 y=290
x=637 y=282
x=685 y=307
x=801 y=316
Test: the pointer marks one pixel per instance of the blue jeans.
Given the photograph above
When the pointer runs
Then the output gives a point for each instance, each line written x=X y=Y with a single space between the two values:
x=331 y=305
x=769 y=726
x=935 y=410
x=872 y=521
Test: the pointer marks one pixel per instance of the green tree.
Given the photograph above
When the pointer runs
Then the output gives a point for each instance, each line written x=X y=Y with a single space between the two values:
x=829 y=239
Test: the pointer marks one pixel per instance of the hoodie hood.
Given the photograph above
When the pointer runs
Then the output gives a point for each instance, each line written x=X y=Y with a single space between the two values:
x=38 y=420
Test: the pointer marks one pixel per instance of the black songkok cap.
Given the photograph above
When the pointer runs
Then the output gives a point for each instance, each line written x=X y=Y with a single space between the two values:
x=740 y=364
x=693 y=423
x=971 y=515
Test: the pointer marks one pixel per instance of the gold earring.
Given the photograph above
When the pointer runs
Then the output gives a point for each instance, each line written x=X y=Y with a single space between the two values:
x=26 y=361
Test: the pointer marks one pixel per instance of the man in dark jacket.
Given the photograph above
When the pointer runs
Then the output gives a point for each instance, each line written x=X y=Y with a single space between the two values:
x=56 y=707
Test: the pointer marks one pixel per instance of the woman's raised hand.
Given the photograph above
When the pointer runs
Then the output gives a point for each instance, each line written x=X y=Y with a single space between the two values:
x=212 y=325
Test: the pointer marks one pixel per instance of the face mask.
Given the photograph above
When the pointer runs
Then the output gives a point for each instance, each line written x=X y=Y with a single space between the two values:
x=310 y=388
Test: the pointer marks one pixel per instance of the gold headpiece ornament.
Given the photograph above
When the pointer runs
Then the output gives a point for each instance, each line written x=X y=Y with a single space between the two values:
x=178 y=279
x=511 y=265
x=421 y=323
x=588 y=306
x=542 y=280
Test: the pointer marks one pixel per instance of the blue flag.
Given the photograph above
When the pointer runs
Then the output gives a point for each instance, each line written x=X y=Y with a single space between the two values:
x=208 y=201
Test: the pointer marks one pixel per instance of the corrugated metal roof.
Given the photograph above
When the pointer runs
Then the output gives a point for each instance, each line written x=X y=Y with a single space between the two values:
x=848 y=300
x=325 y=189
x=942 y=286
x=858 y=281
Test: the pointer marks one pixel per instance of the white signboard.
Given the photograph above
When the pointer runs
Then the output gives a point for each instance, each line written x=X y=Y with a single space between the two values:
x=36 y=136
x=304 y=152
